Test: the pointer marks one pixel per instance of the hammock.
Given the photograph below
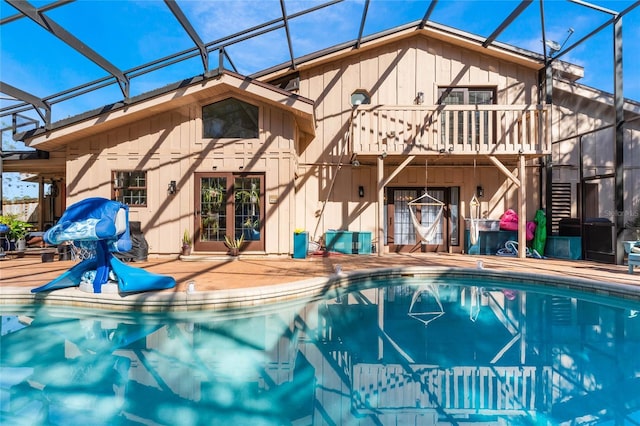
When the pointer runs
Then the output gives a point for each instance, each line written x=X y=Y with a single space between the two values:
x=425 y=305
x=474 y=207
x=426 y=233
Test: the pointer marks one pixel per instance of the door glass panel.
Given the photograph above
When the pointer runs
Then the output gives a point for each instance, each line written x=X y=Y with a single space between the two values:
x=403 y=230
x=247 y=207
x=213 y=219
x=429 y=214
x=454 y=195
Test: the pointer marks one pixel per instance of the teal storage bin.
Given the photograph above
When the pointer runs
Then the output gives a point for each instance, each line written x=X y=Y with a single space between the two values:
x=300 y=245
x=348 y=242
x=563 y=247
x=489 y=242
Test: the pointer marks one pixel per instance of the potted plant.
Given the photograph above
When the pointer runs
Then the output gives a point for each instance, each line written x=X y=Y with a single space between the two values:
x=234 y=244
x=186 y=243
x=18 y=230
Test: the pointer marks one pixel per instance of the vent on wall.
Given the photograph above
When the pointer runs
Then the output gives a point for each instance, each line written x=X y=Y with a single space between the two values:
x=560 y=204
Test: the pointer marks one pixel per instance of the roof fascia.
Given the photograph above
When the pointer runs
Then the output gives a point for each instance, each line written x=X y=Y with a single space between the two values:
x=441 y=32
x=166 y=99
x=594 y=95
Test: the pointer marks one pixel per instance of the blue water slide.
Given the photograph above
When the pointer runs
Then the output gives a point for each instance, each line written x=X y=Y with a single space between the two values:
x=107 y=223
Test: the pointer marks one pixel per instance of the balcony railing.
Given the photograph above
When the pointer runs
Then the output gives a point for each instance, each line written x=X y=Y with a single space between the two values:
x=454 y=129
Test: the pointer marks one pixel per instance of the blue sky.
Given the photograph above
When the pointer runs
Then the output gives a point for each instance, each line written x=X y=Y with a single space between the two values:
x=130 y=33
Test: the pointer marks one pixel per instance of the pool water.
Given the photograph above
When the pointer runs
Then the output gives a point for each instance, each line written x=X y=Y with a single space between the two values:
x=402 y=352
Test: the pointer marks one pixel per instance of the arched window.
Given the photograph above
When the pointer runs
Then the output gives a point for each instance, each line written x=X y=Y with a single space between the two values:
x=230 y=118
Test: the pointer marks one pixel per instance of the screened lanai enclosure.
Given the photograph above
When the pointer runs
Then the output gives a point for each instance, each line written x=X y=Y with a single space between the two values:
x=588 y=172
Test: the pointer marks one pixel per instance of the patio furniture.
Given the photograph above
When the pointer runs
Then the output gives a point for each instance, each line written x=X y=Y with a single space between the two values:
x=634 y=260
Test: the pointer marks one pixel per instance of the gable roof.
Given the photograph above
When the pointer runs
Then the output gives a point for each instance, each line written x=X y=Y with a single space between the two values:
x=170 y=97
x=432 y=30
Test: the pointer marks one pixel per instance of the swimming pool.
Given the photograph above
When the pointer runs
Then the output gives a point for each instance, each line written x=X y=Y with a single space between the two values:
x=405 y=349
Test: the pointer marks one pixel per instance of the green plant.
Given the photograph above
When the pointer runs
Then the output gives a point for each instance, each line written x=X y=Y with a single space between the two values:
x=213 y=194
x=18 y=229
x=234 y=243
x=186 y=238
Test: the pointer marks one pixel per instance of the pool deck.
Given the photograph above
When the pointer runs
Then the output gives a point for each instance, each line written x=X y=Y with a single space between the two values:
x=252 y=276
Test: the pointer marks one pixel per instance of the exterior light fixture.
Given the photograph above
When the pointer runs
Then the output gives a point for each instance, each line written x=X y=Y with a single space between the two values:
x=172 y=189
x=360 y=97
x=479 y=191
x=383 y=155
x=420 y=98
x=361 y=191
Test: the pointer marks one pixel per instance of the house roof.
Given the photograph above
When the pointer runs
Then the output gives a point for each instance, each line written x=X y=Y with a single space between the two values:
x=197 y=89
x=117 y=113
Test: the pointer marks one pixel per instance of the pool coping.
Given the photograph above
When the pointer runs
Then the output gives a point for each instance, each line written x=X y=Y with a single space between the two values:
x=332 y=285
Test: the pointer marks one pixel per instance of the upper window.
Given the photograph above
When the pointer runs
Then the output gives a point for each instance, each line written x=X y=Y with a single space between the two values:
x=477 y=122
x=130 y=187
x=466 y=96
x=230 y=118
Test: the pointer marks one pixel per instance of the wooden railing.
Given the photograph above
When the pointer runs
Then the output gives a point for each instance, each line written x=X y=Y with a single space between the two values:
x=452 y=129
x=464 y=389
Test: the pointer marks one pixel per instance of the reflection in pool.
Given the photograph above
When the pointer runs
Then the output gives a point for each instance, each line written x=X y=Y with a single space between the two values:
x=407 y=352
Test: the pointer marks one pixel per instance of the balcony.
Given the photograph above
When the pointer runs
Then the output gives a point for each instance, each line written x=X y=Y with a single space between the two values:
x=451 y=129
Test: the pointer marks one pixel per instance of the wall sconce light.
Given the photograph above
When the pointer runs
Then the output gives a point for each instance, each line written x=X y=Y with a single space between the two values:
x=420 y=98
x=361 y=191
x=479 y=191
x=355 y=163
x=172 y=189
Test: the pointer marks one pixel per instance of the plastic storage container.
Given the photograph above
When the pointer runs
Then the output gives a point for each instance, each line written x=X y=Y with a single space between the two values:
x=348 y=242
x=300 y=245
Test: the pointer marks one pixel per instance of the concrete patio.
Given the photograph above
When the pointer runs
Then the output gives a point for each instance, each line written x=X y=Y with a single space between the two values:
x=247 y=271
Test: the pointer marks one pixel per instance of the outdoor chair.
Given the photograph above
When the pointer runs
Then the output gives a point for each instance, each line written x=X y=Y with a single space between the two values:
x=633 y=254
x=634 y=260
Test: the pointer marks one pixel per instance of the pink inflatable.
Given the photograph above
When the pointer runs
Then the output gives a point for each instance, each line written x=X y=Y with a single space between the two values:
x=509 y=222
x=531 y=230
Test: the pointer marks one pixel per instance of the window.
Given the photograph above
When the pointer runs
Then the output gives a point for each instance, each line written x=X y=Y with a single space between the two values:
x=473 y=119
x=230 y=118
x=130 y=187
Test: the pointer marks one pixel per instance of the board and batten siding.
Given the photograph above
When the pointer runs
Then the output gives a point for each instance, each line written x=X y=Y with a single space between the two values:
x=393 y=73
x=169 y=146
x=578 y=116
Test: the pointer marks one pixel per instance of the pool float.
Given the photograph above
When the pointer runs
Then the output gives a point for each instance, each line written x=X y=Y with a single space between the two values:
x=509 y=222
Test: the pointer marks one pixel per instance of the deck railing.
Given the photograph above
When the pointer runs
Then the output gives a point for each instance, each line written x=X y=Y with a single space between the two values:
x=463 y=389
x=453 y=129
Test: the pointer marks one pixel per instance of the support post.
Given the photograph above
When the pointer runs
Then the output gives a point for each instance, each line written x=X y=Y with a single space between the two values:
x=41 y=204
x=618 y=101
x=380 y=224
x=522 y=198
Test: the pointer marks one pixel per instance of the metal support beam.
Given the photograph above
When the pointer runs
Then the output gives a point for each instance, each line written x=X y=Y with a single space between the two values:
x=286 y=29
x=186 y=24
x=427 y=14
x=362 y=22
x=618 y=102
x=44 y=8
x=51 y=26
x=516 y=12
x=38 y=104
